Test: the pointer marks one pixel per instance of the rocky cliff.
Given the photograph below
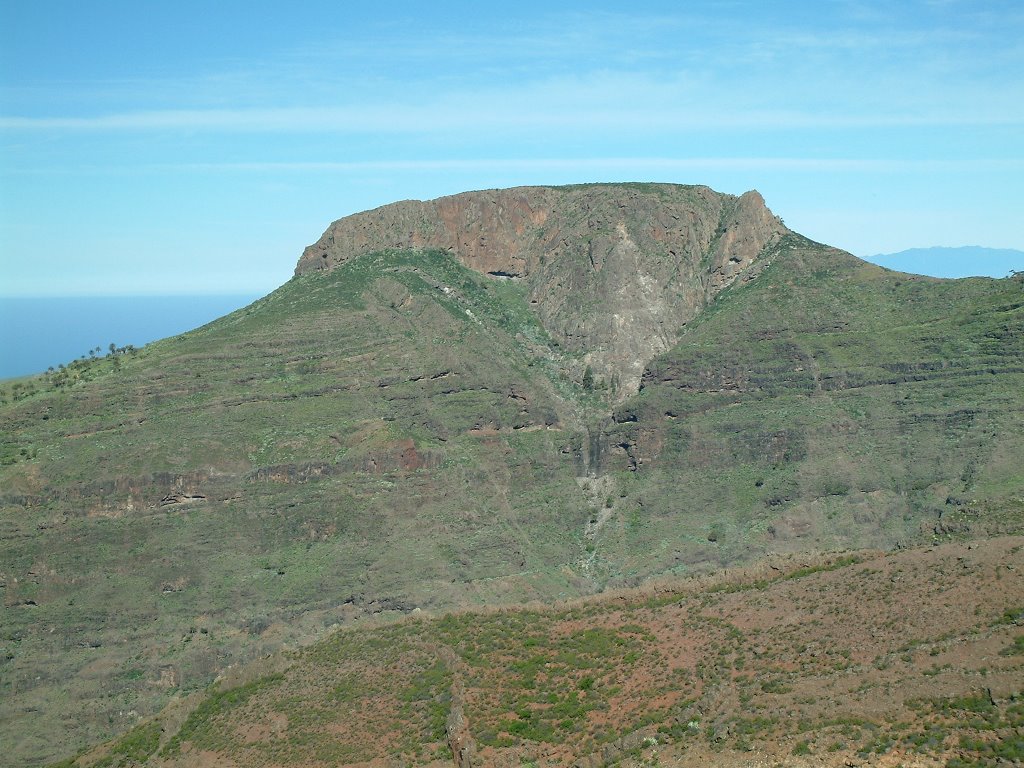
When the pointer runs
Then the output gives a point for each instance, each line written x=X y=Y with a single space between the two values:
x=613 y=271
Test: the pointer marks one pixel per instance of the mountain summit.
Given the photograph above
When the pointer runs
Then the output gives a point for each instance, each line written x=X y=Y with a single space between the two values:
x=612 y=271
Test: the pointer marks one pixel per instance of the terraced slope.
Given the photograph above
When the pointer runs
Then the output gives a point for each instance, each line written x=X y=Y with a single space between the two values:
x=352 y=444
x=914 y=658
x=830 y=403
x=405 y=430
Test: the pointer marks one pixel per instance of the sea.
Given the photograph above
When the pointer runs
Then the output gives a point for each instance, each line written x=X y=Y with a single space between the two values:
x=37 y=333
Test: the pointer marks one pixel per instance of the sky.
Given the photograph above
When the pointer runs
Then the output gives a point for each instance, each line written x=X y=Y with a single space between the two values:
x=194 y=147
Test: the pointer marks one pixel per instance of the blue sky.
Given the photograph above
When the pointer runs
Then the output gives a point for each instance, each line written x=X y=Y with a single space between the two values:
x=197 y=147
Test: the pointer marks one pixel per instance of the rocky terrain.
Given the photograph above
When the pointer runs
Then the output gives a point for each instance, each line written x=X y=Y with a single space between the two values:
x=613 y=271
x=529 y=394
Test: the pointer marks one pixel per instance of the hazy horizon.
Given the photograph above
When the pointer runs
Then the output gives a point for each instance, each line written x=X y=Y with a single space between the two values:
x=39 y=332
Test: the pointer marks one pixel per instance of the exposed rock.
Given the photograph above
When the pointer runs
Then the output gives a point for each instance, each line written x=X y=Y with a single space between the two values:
x=181 y=498
x=459 y=736
x=613 y=271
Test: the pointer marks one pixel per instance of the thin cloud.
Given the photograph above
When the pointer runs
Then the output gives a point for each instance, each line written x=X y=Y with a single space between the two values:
x=599 y=164
x=830 y=165
x=433 y=119
x=595 y=70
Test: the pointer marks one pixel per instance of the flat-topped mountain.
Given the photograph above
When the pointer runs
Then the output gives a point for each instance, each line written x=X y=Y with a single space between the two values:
x=612 y=271
x=537 y=393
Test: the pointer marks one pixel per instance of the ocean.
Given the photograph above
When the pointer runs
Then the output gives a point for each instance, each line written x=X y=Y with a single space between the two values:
x=36 y=333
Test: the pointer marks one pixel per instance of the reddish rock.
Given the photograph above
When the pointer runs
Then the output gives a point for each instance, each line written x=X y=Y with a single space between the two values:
x=613 y=271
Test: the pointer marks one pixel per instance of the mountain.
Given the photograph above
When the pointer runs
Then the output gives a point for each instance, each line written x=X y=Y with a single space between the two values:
x=538 y=393
x=966 y=261
x=611 y=272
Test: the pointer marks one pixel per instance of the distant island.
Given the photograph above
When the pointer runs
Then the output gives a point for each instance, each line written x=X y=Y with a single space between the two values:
x=966 y=261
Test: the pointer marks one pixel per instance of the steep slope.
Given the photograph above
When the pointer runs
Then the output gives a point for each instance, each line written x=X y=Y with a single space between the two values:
x=612 y=270
x=915 y=658
x=827 y=403
x=408 y=429
x=388 y=436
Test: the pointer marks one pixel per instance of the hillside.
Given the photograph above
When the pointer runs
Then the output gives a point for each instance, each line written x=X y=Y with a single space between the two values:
x=915 y=658
x=553 y=393
x=828 y=403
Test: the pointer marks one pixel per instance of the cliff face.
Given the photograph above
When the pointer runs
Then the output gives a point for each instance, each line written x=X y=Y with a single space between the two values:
x=613 y=271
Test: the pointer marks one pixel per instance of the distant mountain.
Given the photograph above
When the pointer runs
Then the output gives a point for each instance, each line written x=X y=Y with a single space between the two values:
x=966 y=261
x=498 y=396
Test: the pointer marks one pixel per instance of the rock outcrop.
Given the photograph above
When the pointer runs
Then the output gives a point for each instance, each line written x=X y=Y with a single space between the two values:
x=613 y=271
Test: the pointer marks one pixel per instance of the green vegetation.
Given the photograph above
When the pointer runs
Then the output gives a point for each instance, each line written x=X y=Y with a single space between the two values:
x=134 y=747
x=270 y=461
x=619 y=676
x=78 y=371
x=202 y=722
x=1016 y=648
x=403 y=432
x=829 y=401
x=981 y=731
